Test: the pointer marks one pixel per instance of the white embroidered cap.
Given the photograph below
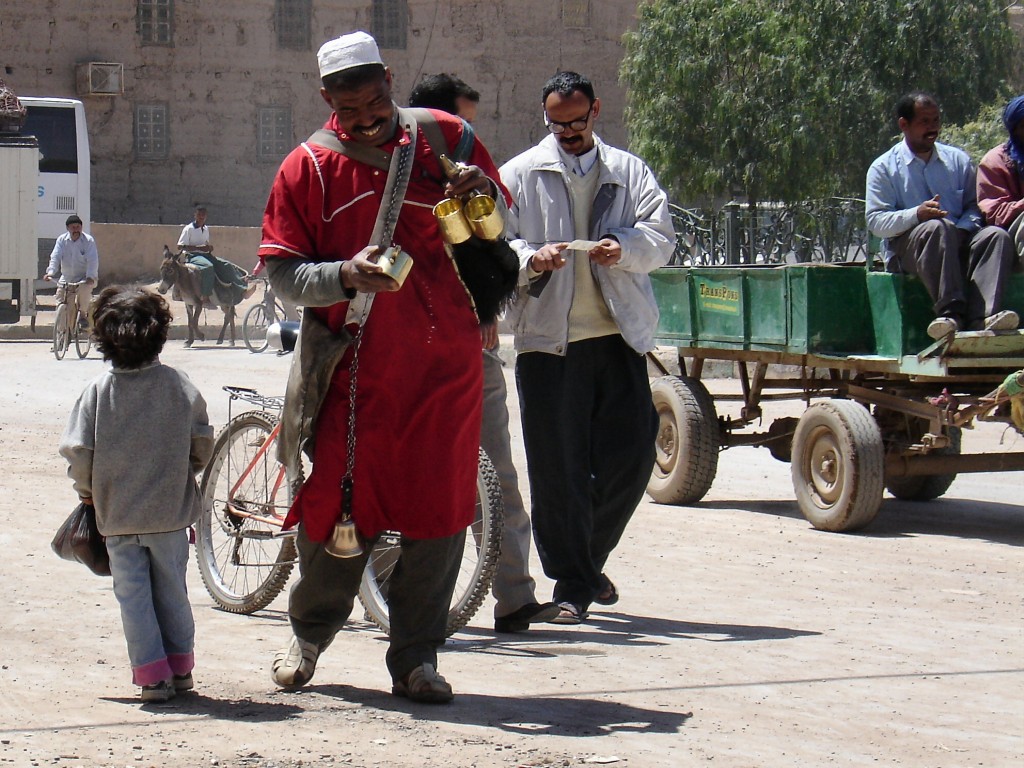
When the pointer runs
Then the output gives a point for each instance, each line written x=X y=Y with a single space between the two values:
x=352 y=50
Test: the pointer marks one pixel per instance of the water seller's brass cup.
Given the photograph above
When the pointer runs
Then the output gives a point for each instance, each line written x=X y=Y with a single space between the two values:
x=484 y=217
x=454 y=227
x=395 y=263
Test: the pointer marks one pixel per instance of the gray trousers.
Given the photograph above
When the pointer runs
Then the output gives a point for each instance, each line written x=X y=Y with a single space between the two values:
x=419 y=594
x=1017 y=235
x=513 y=587
x=964 y=274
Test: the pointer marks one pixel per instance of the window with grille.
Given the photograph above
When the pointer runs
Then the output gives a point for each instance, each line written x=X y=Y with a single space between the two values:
x=151 y=139
x=389 y=22
x=154 y=21
x=275 y=132
x=293 y=19
x=576 y=14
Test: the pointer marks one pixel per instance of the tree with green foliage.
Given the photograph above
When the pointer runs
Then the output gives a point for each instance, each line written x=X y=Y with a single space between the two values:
x=979 y=134
x=792 y=99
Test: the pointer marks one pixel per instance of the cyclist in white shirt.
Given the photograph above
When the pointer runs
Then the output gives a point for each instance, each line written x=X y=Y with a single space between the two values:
x=75 y=259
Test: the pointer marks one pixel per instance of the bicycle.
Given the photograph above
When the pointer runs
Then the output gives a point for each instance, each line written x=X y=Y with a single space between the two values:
x=66 y=325
x=245 y=558
x=260 y=317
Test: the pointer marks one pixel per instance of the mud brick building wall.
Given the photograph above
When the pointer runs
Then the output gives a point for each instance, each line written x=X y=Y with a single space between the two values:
x=215 y=92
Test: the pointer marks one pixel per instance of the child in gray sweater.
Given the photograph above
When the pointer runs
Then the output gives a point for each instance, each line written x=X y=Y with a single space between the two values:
x=134 y=441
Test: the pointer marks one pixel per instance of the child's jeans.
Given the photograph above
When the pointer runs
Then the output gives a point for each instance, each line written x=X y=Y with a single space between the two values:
x=149 y=583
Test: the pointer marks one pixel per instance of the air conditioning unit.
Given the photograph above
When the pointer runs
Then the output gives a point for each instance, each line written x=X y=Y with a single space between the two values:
x=100 y=78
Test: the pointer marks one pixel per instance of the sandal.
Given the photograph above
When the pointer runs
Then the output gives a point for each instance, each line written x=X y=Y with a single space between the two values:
x=609 y=595
x=423 y=685
x=569 y=613
x=294 y=666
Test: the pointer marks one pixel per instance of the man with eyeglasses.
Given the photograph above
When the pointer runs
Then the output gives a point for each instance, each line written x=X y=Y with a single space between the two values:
x=589 y=223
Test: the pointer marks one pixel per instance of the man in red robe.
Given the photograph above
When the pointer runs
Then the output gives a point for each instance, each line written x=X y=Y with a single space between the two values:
x=415 y=361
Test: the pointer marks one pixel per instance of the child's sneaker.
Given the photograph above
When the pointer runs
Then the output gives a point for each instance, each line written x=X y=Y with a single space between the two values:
x=158 y=692
x=183 y=682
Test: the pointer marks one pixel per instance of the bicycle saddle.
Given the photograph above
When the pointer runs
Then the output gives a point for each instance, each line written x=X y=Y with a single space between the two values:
x=283 y=335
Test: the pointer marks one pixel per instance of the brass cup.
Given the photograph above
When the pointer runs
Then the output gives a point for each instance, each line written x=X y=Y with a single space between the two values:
x=396 y=264
x=484 y=218
x=454 y=227
x=344 y=540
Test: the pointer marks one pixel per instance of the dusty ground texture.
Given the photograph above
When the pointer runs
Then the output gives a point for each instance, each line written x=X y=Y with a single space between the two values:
x=743 y=636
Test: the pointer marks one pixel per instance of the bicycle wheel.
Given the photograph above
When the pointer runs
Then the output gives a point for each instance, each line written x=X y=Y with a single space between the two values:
x=254 y=328
x=60 y=332
x=479 y=559
x=244 y=557
x=83 y=341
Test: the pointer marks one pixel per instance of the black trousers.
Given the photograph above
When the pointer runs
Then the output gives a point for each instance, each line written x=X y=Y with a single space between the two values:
x=589 y=426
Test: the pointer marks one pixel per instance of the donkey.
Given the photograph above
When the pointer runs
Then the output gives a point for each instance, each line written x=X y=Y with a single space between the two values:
x=174 y=272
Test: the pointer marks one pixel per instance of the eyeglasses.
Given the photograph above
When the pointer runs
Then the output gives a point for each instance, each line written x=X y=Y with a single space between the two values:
x=580 y=124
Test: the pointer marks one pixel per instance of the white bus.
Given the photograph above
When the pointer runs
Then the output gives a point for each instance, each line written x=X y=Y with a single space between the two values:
x=64 y=167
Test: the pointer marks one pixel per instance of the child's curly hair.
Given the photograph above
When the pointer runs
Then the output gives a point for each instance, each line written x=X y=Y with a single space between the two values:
x=130 y=325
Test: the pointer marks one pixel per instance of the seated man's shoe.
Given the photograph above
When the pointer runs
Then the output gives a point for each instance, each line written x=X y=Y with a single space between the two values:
x=941 y=327
x=424 y=685
x=294 y=666
x=1006 y=320
x=520 y=620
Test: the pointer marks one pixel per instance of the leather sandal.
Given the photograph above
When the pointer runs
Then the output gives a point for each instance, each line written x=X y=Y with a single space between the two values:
x=569 y=613
x=294 y=666
x=609 y=595
x=423 y=685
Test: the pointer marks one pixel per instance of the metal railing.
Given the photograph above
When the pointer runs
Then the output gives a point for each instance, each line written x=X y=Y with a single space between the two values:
x=814 y=231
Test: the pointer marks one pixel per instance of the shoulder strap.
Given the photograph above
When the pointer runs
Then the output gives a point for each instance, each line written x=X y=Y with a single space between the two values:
x=377 y=158
x=465 y=146
x=435 y=136
x=380 y=159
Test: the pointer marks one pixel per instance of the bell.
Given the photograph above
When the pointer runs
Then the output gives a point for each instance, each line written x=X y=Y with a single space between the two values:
x=344 y=540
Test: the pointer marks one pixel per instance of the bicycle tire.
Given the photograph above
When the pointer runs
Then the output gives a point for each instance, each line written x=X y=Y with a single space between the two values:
x=83 y=342
x=254 y=328
x=60 y=331
x=479 y=559
x=244 y=563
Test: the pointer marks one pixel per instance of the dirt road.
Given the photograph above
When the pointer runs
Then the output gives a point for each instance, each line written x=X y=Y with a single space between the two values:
x=743 y=636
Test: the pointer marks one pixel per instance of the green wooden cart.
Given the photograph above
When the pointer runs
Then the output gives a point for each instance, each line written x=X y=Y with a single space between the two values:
x=884 y=403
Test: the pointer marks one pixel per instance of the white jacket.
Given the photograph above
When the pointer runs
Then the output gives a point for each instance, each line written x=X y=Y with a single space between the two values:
x=629 y=206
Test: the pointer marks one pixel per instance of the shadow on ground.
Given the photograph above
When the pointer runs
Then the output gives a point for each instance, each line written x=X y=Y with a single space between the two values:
x=948 y=516
x=535 y=715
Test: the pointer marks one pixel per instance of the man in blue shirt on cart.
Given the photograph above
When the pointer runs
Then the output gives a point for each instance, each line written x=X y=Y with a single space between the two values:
x=921 y=198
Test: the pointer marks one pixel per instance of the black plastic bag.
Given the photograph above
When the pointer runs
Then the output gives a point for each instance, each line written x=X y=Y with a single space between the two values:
x=79 y=540
x=490 y=271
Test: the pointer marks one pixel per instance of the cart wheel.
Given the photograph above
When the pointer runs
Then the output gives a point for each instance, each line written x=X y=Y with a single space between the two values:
x=687 y=441
x=837 y=465
x=926 y=487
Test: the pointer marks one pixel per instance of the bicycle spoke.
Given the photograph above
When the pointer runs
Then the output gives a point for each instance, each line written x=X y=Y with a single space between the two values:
x=243 y=557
